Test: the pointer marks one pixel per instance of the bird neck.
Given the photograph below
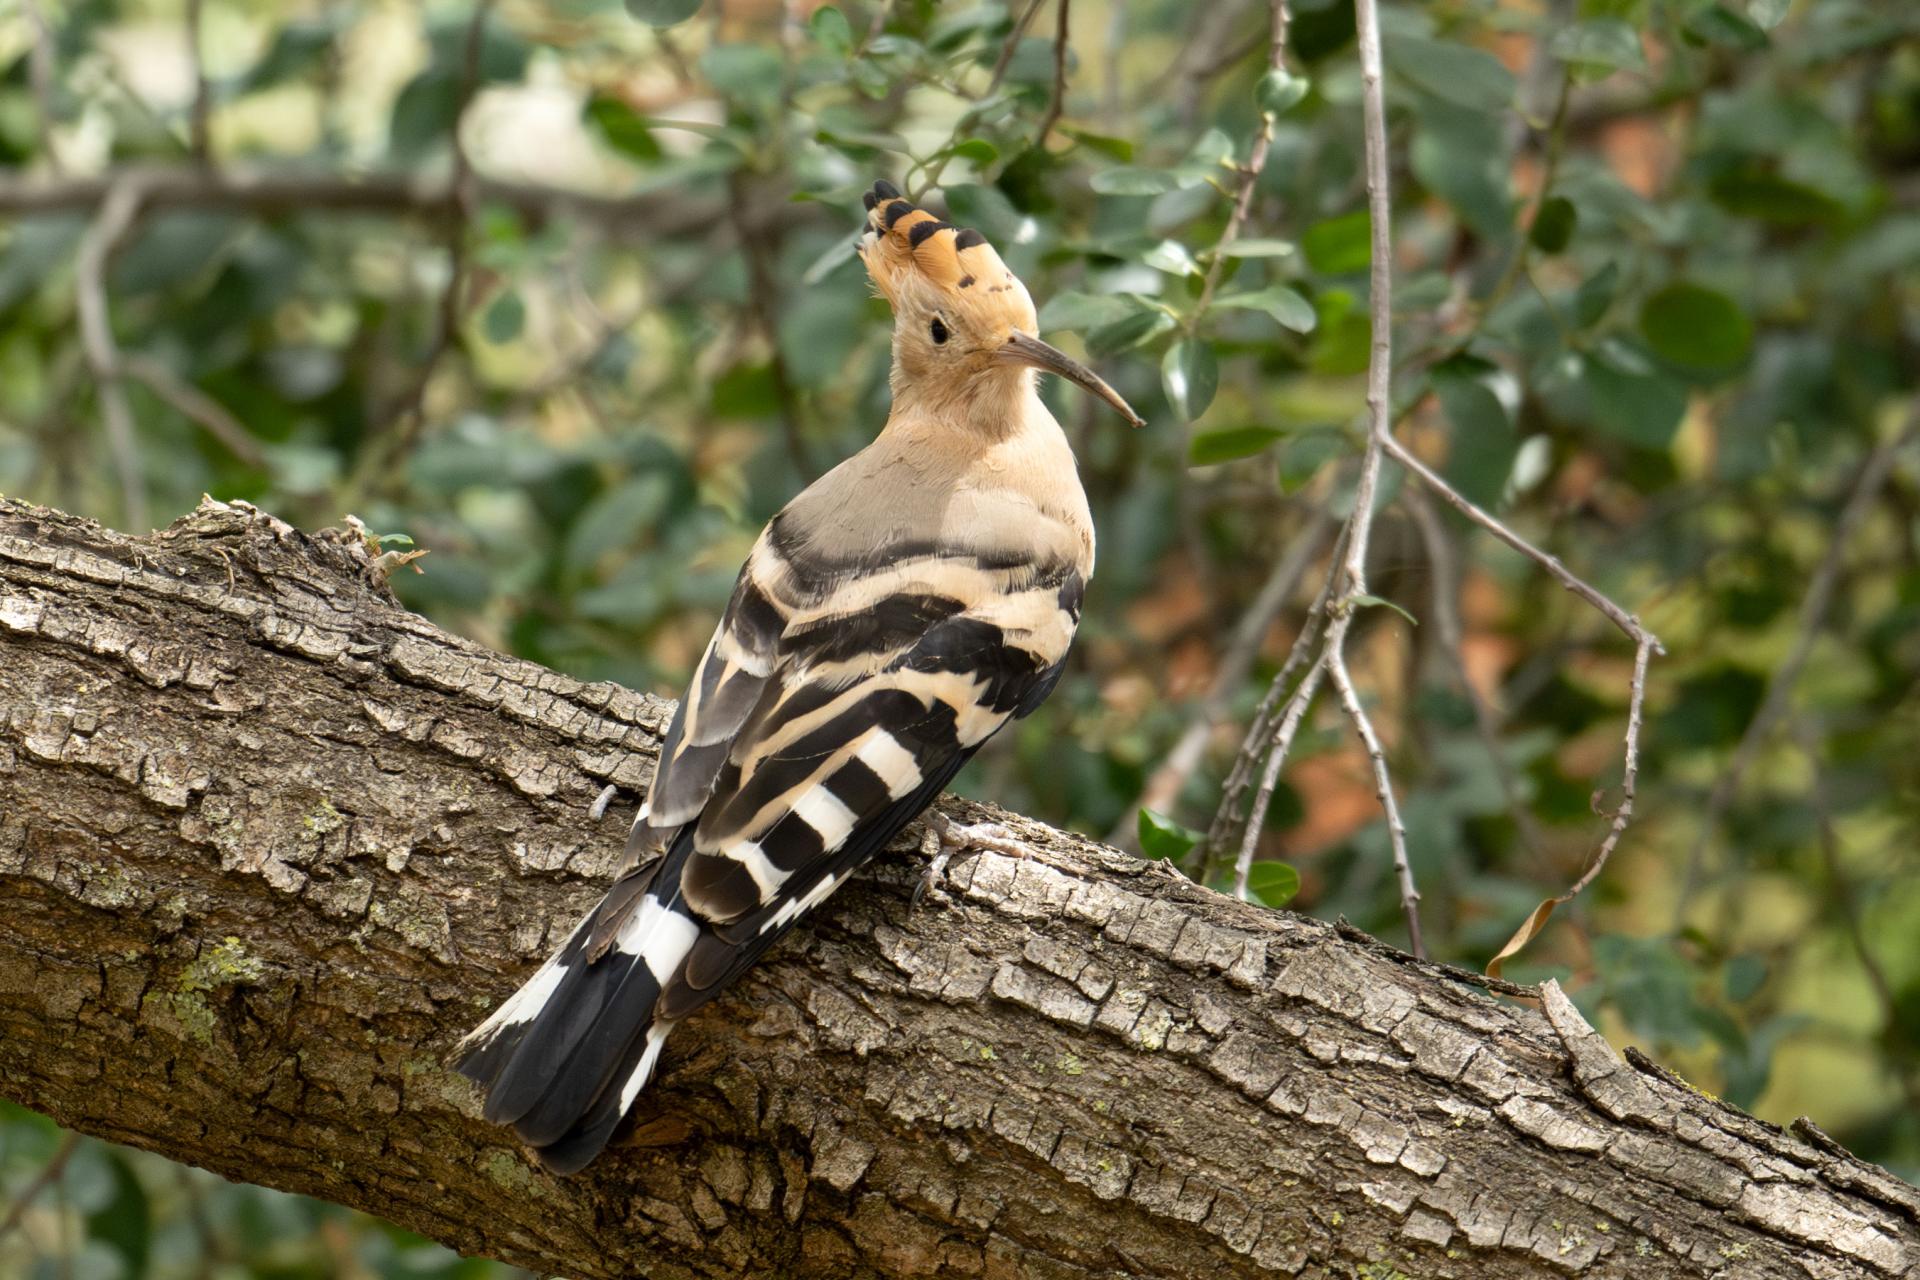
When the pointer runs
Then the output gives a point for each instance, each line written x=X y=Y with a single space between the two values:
x=990 y=405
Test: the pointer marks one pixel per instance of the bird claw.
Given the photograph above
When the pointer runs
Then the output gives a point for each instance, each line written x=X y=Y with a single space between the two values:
x=944 y=837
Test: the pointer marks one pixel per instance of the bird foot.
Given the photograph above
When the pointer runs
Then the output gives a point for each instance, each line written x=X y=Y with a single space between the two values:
x=944 y=837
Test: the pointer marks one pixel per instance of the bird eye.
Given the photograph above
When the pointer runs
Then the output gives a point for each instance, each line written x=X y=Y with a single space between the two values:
x=939 y=330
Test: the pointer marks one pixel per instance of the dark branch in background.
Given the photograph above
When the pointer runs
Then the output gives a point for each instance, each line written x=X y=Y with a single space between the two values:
x=50 y=1173
x=1005 y=60
x=1872 y=477
x=1059 y=100
x=263 y=193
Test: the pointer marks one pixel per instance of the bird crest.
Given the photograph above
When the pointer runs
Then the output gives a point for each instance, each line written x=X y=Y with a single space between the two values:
x=914 y=256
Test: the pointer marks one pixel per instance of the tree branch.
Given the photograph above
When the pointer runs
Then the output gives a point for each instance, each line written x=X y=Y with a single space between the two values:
x=269 y=844
x=266 y=193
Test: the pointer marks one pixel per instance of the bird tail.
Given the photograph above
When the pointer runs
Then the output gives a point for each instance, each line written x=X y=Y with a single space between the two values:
x=564 y=1058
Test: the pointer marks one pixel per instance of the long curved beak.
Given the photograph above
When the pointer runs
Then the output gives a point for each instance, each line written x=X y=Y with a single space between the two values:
x=1025 y=349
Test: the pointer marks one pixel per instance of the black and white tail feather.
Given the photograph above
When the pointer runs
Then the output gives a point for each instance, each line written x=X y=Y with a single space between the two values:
x=888 y=621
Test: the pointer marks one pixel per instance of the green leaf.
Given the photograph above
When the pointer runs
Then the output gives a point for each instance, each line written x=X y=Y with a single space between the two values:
x=1627 y=397
x=663 y=13
x=1303 y=455
x=1134 y=182
x=125 y=1222
x=1120 y=149
x=1756 y=193
x=1768 y=14
x=1274 y=883
x=1381 y=602
x=1718 y=25
x=1553 y=226
x=1283 y=304
x=1279 y=91
x=1340 y=246
x=1128 y=332
x=1089 y=310
x=1191 y=375
x=743 y=72
x=1259 y=247
x=975 y=151
x=1482 y=444
x=1163 y=838
x=622 y=128
x=1598 y=47
x=1595 y=295
x=1697 y=328
x=506 y=315
x=1453 y=72
x=1171 y=257
x=1210 y=448
x=830 y=31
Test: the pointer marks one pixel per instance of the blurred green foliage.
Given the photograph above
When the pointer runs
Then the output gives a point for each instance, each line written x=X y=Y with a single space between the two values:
x=1658 y=289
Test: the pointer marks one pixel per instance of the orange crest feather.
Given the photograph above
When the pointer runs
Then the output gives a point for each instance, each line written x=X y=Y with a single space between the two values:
x=907 y=249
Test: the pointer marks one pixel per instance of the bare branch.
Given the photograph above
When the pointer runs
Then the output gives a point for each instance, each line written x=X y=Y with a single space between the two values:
x=1629 y=625
x=1813 y=618
x=49 y=1173
x=1059 y=100
x=266 y=193
x=1270 y=776
x=1014 y=37
x=103 y=236
x=1383 y=787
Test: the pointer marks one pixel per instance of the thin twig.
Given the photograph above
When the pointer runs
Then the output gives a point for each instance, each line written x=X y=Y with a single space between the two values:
x=1866 y=488
x=49 y=1173
x=1383 y=787
x=200 y=116
x=763 y=308
x=1249 y=174
x=1277 y=753
x=103 y=236
x=1380 y=419
x=1629 y=625
x=1227 y=826
x=1059 y=100
x=1014 y=37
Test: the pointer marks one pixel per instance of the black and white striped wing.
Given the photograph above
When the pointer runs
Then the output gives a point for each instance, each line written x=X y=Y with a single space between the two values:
x=833 y=706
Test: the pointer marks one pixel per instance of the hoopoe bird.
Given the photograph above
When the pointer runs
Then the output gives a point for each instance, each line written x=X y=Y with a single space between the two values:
x=888 y=621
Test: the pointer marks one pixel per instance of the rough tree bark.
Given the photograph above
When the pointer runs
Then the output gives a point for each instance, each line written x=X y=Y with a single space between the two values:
x=268 y=843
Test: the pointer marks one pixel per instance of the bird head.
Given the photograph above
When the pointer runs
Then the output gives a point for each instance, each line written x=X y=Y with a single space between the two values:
x=962 y=322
